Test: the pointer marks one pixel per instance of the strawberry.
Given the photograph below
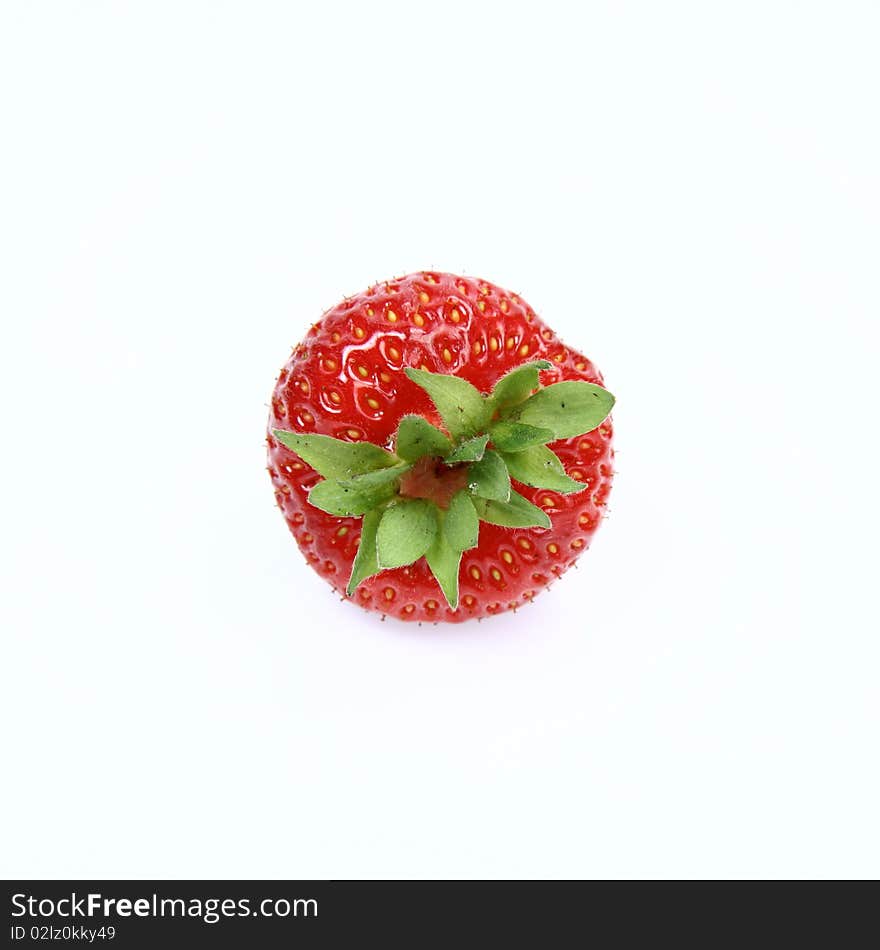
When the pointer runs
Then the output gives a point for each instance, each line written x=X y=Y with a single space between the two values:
x=437 y=452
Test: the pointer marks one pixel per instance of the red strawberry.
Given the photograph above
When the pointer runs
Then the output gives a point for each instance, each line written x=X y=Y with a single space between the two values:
x=406 y=453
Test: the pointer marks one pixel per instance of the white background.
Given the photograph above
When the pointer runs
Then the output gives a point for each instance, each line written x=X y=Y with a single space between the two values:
x=686 y=192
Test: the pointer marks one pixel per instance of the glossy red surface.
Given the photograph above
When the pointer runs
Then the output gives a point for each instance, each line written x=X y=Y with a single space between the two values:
x=346 y=380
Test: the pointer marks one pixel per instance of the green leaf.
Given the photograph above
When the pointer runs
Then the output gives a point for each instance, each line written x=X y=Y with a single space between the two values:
x=488 y=478
x=337 y=499
x=569 y=409
x=514 y=436
x=461 y=406
x=470 y=451
x=334 y=458
x=461 y=526
x=406 y=531
x=539 y=467
x=366 y=562
x=374 y=480
x=416 y=438
x=444 y=562
x=516 y=513
x=517 y=385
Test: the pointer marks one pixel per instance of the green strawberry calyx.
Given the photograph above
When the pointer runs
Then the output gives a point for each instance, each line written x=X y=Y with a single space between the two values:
x=426 y=494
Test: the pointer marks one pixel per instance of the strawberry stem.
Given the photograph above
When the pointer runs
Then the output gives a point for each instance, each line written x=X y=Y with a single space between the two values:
x=426 y=498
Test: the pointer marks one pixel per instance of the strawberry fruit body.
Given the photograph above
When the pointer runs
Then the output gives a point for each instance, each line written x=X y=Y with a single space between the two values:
x=427 y=459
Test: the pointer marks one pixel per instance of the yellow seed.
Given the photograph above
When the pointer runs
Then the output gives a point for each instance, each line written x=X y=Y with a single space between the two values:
x=418 y=320
x=584 y=520
x=493 y=344
x=504 y=306
x=577 y=544
x=525 y=544
x=297 y=466
x=429 y=279
x=423 y=296
x=496 y=574
x=369 y=311
x=360 y=332
x=430 y=605
x=392 y=316
x=307 y=538
x=385 y=377
x=477 y=348
x=409 y=608
x=559 y=357
x=470 y=601
x=329 y=364
x=335 y=397
x=363 y=372
x=454 y=315
x=447 y=356
x=476 y=573
x=389 y=593
x=553 y=548
x=342 y=532
x=507 y=557
x=547 y=500
x=482 y=305
x=511 y=342
x=336 y=336
x=580 y=366
x=524 y=350
x=353 y=434
x=393 y=352
x=547 y=334
x=304 y=386
x=308 y=418
x=372 y=403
